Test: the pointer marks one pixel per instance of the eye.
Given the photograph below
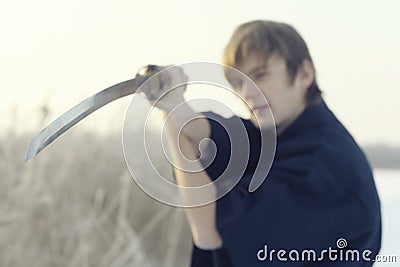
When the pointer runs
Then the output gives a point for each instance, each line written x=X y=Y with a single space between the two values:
x=260 y=75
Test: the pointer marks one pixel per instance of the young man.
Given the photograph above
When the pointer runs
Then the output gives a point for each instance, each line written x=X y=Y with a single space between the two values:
x=320 y=188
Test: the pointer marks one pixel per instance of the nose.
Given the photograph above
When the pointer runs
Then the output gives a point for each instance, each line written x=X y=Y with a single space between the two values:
x=249 y=90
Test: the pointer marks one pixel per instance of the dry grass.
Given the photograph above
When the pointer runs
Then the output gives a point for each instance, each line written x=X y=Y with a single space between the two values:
x=75 y=204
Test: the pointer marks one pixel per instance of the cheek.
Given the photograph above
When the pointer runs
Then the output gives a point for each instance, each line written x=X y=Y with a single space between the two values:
x=271 y=89
x=280 y=104
x=268 y=93
x=274 y=98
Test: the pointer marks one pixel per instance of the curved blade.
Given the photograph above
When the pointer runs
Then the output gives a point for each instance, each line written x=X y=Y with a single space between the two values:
x=80 y=111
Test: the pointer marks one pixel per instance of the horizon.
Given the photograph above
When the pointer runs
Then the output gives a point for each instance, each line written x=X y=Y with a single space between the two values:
x=55 y=54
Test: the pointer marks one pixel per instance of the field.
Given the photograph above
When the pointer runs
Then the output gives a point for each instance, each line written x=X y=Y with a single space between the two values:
x=75 y=204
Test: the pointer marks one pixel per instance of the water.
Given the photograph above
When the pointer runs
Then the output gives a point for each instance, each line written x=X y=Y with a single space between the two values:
x=388 y=185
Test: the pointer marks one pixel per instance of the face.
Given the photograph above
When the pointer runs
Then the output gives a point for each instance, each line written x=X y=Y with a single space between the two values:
x=277 y=94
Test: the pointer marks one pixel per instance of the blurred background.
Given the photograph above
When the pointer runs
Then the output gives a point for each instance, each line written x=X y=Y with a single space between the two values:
x=75 y=204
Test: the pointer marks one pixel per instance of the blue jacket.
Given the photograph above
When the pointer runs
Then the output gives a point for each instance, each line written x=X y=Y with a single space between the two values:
x=319 y=194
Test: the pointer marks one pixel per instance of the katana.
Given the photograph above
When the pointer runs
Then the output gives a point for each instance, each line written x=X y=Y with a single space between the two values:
x=89 y=105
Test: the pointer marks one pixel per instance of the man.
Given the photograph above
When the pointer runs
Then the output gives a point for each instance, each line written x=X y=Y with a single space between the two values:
x=320 y=188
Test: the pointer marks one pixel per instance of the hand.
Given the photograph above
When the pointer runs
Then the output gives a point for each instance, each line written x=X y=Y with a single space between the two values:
x=165 y=90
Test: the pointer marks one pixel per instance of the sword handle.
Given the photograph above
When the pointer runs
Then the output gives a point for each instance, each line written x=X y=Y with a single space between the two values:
x=153 y=86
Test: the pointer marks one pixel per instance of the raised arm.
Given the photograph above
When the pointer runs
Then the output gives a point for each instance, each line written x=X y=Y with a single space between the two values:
x=184 y=129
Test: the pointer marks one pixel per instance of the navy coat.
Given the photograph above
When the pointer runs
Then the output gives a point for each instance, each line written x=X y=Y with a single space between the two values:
x=320 y=189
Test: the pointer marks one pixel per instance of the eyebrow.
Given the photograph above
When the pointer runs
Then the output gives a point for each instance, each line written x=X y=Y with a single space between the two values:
x=254 y=70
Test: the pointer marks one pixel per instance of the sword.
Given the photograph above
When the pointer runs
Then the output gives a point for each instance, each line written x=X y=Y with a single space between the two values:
x=89 y=105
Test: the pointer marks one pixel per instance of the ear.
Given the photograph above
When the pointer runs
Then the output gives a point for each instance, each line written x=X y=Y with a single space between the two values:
x=305 y=74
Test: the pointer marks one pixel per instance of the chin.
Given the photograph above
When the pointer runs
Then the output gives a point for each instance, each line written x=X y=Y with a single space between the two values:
x=264 y=122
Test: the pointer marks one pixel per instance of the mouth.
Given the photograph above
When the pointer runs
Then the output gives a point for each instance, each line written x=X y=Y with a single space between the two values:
x=260 y=108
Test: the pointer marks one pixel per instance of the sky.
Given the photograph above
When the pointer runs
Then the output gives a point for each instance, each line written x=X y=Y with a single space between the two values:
x=56 y=53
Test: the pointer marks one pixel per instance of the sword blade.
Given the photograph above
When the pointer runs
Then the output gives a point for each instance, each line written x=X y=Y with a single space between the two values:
x=79 y=112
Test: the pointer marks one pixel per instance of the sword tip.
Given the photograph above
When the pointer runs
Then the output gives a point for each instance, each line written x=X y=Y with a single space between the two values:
x=30 y=154
x=33 y=150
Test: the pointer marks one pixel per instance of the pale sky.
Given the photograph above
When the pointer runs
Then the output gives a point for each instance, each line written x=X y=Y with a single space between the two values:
x=60 y=52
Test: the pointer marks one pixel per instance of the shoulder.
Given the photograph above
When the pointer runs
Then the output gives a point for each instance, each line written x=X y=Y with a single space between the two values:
x=342 y=158
x=340 y=151
x=318 y=148
x=228 y=137
x=225 y=130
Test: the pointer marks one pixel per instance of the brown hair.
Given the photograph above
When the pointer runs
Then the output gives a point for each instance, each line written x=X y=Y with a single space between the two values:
x=266 y=38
